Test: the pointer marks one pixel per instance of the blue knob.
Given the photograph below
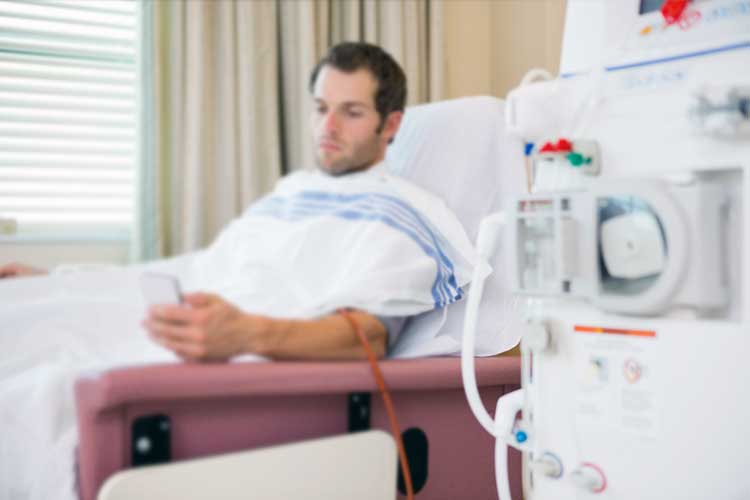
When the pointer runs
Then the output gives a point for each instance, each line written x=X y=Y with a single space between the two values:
x=521 y=436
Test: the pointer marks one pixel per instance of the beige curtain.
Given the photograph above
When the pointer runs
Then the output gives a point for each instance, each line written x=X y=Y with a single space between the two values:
x=231 y=105
x=216 y=94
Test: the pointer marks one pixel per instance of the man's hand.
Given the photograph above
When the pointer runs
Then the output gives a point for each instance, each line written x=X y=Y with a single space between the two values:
x=208 y=328
x=18 y=270
x=204 y=328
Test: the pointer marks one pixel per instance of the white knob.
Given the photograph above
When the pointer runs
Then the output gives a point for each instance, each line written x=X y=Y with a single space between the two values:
x=589 y=477
x=536 y=336
x=548 y=465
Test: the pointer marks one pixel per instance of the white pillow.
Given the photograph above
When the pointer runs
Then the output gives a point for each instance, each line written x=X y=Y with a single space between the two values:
x=458 y=150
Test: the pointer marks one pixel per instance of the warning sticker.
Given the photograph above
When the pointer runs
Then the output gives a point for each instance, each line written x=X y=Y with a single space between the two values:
x=616 y=386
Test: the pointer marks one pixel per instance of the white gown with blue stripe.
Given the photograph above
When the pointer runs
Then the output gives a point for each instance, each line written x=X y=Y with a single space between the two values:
x=316 y=243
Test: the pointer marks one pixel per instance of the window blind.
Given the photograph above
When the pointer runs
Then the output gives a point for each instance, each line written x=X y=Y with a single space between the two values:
x=68 y=83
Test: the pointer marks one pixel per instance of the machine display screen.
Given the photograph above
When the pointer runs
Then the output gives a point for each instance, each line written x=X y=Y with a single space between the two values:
x=650 y=6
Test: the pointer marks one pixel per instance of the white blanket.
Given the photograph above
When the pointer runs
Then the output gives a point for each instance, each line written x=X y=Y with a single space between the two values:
x=317 y=243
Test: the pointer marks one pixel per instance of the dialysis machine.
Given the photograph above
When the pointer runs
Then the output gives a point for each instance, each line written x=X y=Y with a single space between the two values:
x=631 y=251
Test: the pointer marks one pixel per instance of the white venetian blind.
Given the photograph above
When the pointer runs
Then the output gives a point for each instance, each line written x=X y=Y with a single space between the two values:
x=68 y=114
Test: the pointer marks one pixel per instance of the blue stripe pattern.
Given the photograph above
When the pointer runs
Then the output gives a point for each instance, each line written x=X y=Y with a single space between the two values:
x=374 y=207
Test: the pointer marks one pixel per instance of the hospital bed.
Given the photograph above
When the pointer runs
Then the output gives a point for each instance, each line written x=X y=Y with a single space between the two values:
x=212 y=409
x=135 y=416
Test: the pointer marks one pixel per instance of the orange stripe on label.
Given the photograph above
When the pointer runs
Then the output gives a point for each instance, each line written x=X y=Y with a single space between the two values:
x=614 y=331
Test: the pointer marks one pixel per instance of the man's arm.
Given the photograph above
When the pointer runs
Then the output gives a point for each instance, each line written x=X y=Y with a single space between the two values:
x=18 y=270
x=208 y=328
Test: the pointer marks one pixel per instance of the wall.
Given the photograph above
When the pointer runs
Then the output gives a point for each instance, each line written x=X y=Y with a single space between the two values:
x=490 y=44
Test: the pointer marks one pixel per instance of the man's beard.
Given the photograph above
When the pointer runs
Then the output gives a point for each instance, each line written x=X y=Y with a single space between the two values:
x=363 y=157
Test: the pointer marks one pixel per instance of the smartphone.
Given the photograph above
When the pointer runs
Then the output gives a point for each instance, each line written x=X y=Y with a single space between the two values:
x=160 y=289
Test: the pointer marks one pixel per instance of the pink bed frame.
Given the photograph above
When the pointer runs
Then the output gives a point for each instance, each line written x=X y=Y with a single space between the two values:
x=229 y=407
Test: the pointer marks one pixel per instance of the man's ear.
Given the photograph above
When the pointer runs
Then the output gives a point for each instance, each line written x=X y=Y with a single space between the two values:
x=391 y=125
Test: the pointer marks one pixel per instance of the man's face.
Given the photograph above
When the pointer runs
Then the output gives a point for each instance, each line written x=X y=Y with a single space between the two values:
x=345 y=122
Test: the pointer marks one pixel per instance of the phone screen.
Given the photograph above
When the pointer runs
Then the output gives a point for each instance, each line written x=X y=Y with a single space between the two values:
x=160 y=289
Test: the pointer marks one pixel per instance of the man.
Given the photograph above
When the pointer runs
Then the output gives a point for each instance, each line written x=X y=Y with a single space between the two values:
x=359 y=93
x=345 y=236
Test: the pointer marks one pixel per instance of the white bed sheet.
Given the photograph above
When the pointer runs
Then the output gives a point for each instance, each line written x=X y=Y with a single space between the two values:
x=54 y=329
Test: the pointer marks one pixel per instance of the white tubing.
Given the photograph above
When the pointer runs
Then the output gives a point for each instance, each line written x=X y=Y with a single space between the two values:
x=505 y=417
x=467 y=351
x=489 y=231
x=501 y=464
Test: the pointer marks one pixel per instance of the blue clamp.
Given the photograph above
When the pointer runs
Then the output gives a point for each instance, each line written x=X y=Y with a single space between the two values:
x=521 y=437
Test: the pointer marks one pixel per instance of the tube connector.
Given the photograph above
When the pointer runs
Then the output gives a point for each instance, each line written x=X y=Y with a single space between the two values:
x=589 y=477
x=548 y=465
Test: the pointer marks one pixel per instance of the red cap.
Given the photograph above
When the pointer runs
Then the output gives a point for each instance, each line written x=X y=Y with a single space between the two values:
x=548 y=148
x=564 y=146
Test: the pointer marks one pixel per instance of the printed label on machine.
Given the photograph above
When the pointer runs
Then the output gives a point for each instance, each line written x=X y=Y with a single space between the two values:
x=616 y=379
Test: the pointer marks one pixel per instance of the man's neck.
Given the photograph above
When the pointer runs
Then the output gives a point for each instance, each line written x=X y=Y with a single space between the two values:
x=355 y=170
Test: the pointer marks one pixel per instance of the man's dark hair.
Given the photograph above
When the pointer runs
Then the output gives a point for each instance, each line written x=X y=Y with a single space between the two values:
x=351 y=56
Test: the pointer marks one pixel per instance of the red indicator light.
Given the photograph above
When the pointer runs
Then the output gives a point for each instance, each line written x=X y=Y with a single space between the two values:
x=672 y=10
